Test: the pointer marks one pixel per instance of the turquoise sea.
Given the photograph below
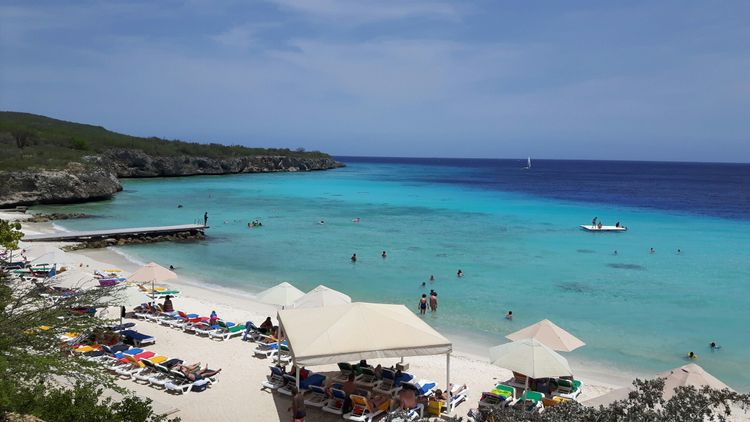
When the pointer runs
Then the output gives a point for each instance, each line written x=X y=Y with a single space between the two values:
x=513 y=232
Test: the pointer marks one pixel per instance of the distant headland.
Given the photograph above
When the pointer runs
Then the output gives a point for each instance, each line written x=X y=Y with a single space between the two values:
x=48 y=161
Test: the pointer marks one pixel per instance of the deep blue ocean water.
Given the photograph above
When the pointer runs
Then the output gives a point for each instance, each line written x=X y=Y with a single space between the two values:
x=513 y=232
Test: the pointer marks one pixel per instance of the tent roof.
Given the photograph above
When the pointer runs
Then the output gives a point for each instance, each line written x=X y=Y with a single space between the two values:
x=282 y=294
x=321 y=296
x=356 y=331
x=54 y=257
x=548 y=333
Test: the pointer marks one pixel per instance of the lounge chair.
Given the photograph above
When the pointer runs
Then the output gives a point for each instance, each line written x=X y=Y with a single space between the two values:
x=518 y=380
x=530 y=401
x=162 y=377
x=150 y=370
x=390 y=384
x=179 y=320
x=269 y=350
x=253 y=332
x=422 y=387
x=137 y=365
x=317 y=396
x=335 y=404
x=227 y=331
x=206 y=329
x=368 y=379
x=345 y=369
x=458 y=395
x=362 y=410
x=194 y=323
x=568 y=389
x=180 y=383
x=500 y=396
x=275 y=380
x=304 y=385
x=138 y=339
x=416 y=412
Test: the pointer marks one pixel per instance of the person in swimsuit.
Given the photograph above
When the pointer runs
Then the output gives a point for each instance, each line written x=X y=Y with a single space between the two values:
x=298 y=405
x=433 y=301
x=354 y=258
x=423 y=304
x=509 y=316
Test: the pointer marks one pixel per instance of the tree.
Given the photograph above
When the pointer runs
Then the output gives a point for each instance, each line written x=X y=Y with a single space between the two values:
x=10 y=234
x=645 y=403
x=22 y=137
x=39 y=374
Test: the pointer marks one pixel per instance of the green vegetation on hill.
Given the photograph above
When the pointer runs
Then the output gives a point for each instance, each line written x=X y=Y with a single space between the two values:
x=29 y=140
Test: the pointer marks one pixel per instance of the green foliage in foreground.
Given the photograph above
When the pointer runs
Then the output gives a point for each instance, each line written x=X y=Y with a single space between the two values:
x=40 y=376
x=645 y=403
x=80 y=403
x=30 y=140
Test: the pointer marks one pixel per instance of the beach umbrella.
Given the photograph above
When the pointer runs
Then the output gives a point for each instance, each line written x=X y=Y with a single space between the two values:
x=320 y=297
x=55 y=256
x=152 y=272
x=283 y=294
x=548 y=333
x=686 y=375
x=531 y=358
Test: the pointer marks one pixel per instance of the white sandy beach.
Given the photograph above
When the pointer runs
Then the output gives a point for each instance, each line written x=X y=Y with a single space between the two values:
x=237 y=395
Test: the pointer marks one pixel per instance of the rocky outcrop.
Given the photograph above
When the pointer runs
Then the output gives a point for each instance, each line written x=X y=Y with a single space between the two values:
x=43 y=218
x=136 y=163
x=98 y=177
x=76 y=183
x=185 y=236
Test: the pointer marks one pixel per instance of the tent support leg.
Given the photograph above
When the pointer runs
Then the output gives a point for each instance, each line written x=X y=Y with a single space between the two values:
x=297 y=377
x=448 y=377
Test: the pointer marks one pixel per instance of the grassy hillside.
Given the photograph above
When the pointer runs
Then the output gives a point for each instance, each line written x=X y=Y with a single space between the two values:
x=51 y=143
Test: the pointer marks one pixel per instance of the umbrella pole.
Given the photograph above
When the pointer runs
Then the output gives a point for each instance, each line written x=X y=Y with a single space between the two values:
x=448 y=378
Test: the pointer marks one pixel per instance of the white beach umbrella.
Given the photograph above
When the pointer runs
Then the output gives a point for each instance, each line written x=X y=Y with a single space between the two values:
x=283 y=294
x=531 y=358
x=550 y=335
x=686 y=375
x=152 y=272
x=320 y=297
x=55 y=256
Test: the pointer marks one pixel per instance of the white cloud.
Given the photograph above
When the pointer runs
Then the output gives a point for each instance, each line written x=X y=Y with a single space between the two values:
x=355 y=11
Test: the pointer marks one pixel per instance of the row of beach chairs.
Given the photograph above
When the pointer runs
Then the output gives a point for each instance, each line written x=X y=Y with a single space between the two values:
x=193 y=324
x=332 y=399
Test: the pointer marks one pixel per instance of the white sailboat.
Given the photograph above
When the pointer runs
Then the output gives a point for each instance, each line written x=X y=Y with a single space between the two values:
x=528 y=164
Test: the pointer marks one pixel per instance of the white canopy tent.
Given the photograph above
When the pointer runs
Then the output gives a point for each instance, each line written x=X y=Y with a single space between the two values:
x=355 y=331
x=282 y=294
x=320 y=297
x=55 y=256
x=531 y=358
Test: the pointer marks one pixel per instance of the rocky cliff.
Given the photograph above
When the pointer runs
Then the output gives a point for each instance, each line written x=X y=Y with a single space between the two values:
x=76 y=183
x=136 y=163
x=98 y=178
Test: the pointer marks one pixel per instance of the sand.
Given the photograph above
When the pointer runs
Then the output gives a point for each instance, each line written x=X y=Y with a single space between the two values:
x=237 y=395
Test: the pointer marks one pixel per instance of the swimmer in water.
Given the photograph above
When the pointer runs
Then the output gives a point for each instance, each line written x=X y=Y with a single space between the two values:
x=354 y=258
x=509 y=316
x=322 y=222
x=679 y=252
x=459 y=274
x=423 y=284
x=432 y=277
x=652 y=250
x=355 y=220
x=692 y=356
x=384 y=255
x=615 y=252
x=714 y=346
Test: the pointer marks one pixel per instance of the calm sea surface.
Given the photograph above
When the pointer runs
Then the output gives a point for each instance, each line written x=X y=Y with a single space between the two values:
x=513 y=232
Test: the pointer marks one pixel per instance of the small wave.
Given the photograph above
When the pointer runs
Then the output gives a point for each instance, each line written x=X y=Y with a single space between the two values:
x=627 y=266
x=59 y=228
x=585 y=251
x=127 y=256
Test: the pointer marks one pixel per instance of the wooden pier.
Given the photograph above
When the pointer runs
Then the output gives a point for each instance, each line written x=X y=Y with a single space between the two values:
x=93 y=235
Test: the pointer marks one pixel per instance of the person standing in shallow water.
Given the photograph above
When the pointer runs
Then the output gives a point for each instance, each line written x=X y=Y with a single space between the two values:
x=423 y=304
x=433 y=301
x=384 y=255
x=354 y=258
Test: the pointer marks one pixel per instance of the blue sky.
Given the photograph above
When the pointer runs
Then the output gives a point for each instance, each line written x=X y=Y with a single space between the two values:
x=667 y=80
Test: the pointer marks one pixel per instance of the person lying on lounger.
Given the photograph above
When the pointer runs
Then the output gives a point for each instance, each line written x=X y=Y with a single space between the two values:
x=194 y=372
x=443 y=395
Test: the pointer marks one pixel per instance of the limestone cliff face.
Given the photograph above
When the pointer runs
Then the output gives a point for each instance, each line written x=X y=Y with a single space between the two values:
x=76 y=183
x=136 y=163
x=98 y=178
